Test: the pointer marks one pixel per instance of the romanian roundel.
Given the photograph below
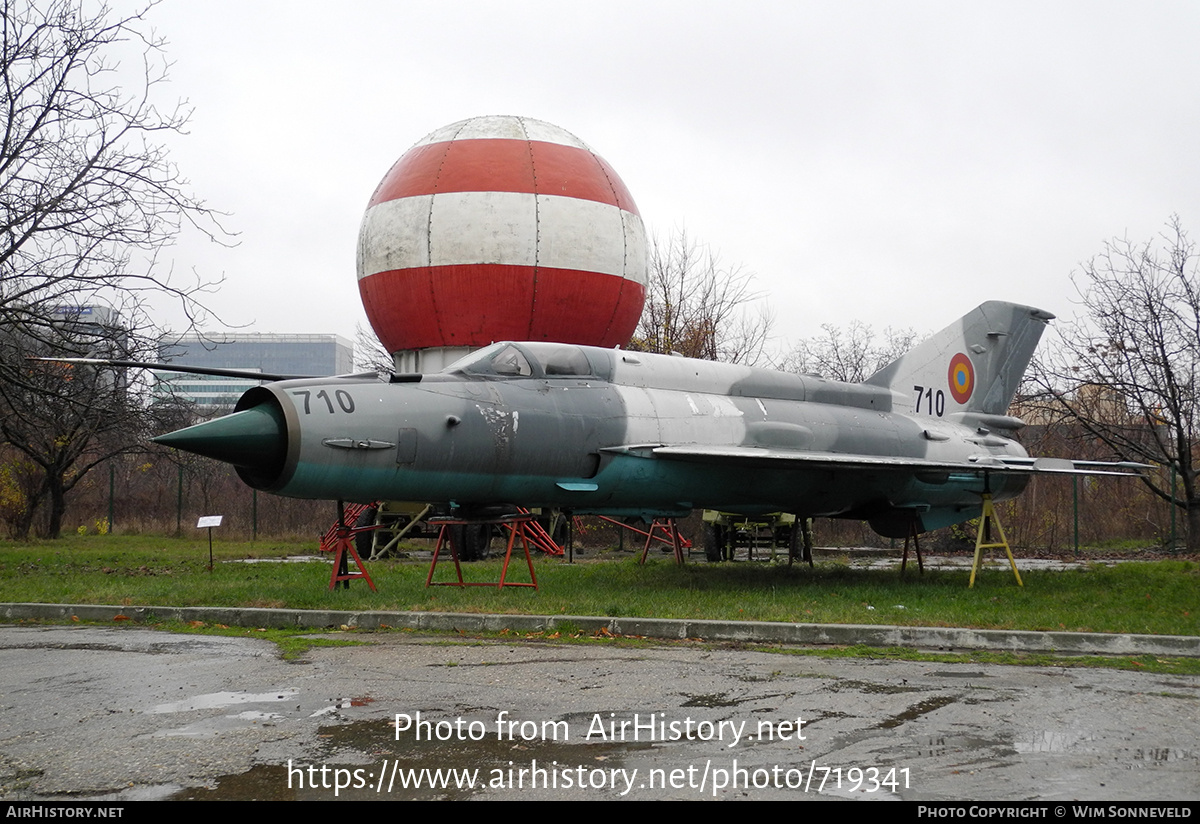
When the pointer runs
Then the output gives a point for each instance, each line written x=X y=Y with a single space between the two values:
x=961 y=377
x=501 y=228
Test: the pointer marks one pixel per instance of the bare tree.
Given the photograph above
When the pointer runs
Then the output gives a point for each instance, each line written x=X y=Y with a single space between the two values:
x=85 y=182
x=370 y=353
x=63 y=420
x=1126 y=373
x=89 y=199
x=850 y=354
x=698 y=307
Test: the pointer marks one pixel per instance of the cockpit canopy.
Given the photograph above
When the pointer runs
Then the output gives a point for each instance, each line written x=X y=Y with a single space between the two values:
x=529 y=360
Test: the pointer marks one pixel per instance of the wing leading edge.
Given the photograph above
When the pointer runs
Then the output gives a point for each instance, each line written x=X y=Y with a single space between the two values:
x=983 y=464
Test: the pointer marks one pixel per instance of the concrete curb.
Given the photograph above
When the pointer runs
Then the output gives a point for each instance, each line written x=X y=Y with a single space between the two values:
x=760 y=632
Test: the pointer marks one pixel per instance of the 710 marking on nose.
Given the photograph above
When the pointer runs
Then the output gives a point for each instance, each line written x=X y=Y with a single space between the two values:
x=344 y=401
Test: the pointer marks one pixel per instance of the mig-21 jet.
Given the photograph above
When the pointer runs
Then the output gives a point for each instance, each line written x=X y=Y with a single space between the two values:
x=618 y=432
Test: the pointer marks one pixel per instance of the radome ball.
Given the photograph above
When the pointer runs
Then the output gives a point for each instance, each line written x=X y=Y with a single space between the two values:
x=501 y=228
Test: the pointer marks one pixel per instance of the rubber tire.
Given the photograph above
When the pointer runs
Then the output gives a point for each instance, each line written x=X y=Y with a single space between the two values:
x=714 y=543
x=471 y=541
x=561 y=528
x=363 y=540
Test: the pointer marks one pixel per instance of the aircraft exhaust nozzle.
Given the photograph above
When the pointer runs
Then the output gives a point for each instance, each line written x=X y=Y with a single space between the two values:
x=254 y=439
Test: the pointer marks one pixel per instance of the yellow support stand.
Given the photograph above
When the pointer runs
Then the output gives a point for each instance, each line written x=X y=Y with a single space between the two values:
x=985 y=534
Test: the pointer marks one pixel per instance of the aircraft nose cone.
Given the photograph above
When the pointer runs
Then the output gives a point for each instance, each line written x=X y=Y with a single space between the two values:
x=254 y=438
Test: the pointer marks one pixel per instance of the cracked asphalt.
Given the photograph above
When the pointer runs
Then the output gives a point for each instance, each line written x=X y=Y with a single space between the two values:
x=127 y=713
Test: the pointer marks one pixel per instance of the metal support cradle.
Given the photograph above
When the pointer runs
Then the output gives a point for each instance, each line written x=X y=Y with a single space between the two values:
x=515 y=524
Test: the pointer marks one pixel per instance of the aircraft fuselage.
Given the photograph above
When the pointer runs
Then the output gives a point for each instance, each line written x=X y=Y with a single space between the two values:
x=578 y=428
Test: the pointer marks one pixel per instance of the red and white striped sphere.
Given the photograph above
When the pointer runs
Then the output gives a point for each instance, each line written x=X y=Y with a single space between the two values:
x=501 y=228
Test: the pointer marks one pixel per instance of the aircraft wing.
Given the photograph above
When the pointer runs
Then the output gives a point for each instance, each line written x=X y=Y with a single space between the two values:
x=977 y=465
x=171 y=367
x=216 y=371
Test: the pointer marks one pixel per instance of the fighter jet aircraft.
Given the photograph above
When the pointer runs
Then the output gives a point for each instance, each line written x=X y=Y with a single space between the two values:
x=619 y=432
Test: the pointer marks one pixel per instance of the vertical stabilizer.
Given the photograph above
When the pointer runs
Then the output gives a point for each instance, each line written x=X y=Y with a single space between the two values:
x=973 y=365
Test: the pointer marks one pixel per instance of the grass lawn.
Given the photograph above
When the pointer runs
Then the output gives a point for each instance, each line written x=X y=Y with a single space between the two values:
x=1157 y=597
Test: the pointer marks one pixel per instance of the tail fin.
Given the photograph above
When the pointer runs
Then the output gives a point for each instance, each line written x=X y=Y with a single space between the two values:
x=973 y=365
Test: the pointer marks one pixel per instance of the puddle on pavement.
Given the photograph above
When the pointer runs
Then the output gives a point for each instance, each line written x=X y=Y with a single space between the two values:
x=1050 y=741
x=525 y=662
x=210 y=727
x=261 y=783
x=714 y=700
x=870 y=688
x=1163 y=755
x=941 y=746
x=916 y=711
x=963 y=674
x=341 y=704
x=153 y=649
x=372 y=746
x=220 y=700
x=1056 y=742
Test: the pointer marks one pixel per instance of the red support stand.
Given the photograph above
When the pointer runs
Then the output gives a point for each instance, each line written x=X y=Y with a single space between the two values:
x=516 y=525
x=343 y=545
x=669 y=526
x=669 y=539
x=540 y=537
x=339 y=539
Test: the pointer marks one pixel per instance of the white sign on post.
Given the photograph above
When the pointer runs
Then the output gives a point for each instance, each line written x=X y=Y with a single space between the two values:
x=209 y=521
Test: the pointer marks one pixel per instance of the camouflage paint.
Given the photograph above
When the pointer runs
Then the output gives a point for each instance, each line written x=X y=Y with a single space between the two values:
x=605 y=430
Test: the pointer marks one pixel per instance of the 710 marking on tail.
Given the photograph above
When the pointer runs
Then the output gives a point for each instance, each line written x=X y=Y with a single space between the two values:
x=935 y=402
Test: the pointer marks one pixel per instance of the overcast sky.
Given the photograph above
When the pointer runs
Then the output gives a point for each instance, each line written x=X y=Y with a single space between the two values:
x=891 y=162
